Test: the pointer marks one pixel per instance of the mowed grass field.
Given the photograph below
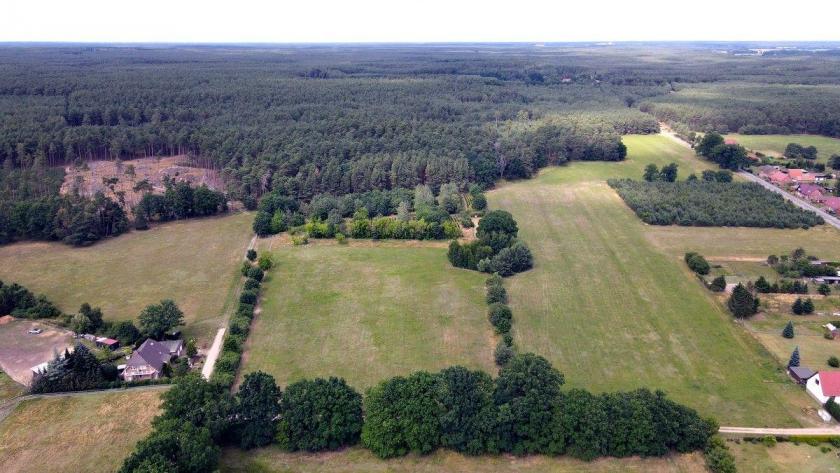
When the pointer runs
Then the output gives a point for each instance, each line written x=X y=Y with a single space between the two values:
x=775 y=144
x=614 y=312
x=367 y=312
x=194 y=262
x=270 y=460
x=87 y=432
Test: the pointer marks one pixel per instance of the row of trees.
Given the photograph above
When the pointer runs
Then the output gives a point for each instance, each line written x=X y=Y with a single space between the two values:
x=501 y=317
x=799 y=264
x=703 y=204
x=179 y=201
x=522 y=411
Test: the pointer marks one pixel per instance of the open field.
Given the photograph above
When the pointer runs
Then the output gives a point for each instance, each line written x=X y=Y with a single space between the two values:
x=774 y=145
x=85 y=432
x=9 y=388
x=20 y=351
x=366 y=313
x=194 y=262
x=358 y=460
x=612 y=311
x=785 y=457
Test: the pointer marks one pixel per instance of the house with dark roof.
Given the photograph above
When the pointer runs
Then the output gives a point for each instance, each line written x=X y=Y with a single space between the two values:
x=824 y=386
x=800 y=374
x=147 y=361
x=812 y=192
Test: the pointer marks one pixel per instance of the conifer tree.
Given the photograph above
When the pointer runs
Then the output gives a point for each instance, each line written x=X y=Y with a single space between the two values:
x=794 y=358
x=788 y=331
x=742 y=303
x=797 y=306
x=808 y=306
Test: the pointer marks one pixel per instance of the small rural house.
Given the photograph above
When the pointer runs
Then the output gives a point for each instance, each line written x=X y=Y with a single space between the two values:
x=110 y=343
x=147 y=361
x=800 y=374
x=779 y=178
x=800 y=175
x=824 y=385
x=812 y=192
x=831 y=330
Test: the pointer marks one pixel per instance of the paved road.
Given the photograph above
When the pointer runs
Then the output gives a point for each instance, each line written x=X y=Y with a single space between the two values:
x=216 y=347
x=829 y=219
x=784 y=432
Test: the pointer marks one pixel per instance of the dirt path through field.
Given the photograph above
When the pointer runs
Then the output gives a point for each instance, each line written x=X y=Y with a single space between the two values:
x=216 y=347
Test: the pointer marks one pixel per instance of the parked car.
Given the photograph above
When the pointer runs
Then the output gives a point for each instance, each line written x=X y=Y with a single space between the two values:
x=35 y=331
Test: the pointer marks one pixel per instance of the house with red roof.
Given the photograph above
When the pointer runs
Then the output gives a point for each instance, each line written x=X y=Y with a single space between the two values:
x=824 y=386
x=800 y=175
x=779 y=178
x=730 y=141
x=832 y=204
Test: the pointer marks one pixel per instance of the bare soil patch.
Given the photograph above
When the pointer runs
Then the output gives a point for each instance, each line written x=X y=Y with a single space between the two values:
x=116 y=180
x=20 y=351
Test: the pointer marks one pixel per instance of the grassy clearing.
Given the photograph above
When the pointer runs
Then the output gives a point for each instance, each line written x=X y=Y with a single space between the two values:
x=193 y=262
x=366 y=313
x=774 y=145
x=614 y=312
x=90 y=432
x=785 y=457
x=358 y=460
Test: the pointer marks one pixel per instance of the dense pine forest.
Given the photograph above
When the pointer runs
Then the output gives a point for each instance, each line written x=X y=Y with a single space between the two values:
x=303 y=121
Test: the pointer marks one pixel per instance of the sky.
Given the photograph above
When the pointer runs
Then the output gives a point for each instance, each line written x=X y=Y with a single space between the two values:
x=247 y=21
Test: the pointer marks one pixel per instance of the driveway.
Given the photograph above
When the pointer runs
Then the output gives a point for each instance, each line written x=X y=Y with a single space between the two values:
x=20 y=351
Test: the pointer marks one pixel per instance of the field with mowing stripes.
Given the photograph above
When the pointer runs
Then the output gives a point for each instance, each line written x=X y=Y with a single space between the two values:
x=367 y=312
x=774 y=145
x=612 y=311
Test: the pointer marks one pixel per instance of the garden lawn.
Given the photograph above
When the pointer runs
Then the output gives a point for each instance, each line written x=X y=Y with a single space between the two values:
x=9 y=388
x=775 y=144
x=194 y=262
x=614 y=312
x=367 y=312
x=83 y=432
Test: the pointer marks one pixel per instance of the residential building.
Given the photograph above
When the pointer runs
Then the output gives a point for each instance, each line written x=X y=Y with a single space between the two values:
x=147 y=361
x=824 y=385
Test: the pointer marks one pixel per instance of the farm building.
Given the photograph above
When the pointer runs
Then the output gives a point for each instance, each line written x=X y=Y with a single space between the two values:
x=800 y=374
x=148 y=360
x=824 y=385
x=831 y=330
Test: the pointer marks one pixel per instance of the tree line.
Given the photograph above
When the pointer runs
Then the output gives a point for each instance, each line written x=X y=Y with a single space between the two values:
x=522 y=411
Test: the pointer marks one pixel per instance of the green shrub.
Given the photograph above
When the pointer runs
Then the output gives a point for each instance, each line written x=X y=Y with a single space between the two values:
x=768 y=441
x=834 y=362
x=301 y=239
x=496 y=294
x=503 y=353
x=251 y=285
x=265 y=262
x=256 y=273
x=248 y=297
x=718 y=457
x=500 y=317
x=341 y=238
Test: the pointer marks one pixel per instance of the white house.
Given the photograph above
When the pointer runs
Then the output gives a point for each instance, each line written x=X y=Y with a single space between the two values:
x=147 y=361
x=824 y=385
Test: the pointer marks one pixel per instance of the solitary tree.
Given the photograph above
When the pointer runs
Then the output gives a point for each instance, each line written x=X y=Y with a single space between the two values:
x=252 y=254
x=788 y=331
x=669 y=173
x=651 y=173
x=718 y=284
x=794 y=358
x=797 y=306
x=157 y=319
x=824 y=289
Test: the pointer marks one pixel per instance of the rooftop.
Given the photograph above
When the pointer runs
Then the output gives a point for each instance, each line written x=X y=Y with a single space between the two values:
x=830 y=383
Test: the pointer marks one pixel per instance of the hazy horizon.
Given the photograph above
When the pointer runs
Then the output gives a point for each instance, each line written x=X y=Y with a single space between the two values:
x=434 y=21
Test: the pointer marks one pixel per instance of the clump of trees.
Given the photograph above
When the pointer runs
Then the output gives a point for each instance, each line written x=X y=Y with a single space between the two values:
x=728 y=156
x=797 y=151
x=180 y=201
x=21 y=302
x=71 y=219
x=667 y=174
x=785 y=286
x=799 y=264
x=497 y=249
x=697 y=263
x=803 y=307
x=706 y=204
x=156 y=320
x=75 y=370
